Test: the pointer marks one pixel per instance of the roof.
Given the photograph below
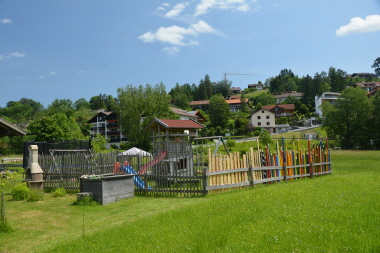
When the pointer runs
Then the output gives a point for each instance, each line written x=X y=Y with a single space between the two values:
x=9 y=129
x=259 y=110
x=175 y=124
x=235 y=88
x=284 y=106
x=236 y=101
x=373 y=92
x=183 y=112
x=255 y=85
x=100 y=112
x=201 y=102
x=368 y=84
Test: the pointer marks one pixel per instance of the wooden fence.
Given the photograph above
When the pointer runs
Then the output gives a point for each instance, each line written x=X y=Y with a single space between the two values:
x=65 y=169
x=262 y=166
x=221 y=173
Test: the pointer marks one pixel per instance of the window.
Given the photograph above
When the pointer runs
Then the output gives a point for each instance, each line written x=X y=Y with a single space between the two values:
x=267 y=116
x=258 y=117
x=262 y=111
x=259 y=123
x=268 y=123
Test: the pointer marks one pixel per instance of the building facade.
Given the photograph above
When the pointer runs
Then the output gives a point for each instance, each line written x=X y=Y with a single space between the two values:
x=266 y=120
x=107 y=124
x=330 y=97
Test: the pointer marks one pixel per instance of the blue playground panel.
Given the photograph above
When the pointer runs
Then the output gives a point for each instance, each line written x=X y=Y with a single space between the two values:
x=136 y=179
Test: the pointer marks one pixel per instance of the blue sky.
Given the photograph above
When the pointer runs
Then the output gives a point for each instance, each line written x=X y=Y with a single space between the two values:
x=80 y=48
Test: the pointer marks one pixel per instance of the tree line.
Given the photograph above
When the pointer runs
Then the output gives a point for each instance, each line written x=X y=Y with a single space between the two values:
x=65 y=119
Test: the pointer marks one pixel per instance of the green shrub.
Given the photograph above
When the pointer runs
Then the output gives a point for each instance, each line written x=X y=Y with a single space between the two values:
x=20 y=192
x=35 y=195
x=85 y=201
x=59 y=192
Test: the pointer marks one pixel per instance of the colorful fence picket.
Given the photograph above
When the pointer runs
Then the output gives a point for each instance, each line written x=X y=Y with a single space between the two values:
x=266 y=166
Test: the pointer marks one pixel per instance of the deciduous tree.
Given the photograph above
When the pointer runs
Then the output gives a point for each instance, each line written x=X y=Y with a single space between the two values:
x=219 y=111
x=348 y=119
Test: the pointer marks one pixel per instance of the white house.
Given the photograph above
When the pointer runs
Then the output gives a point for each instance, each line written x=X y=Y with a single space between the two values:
x=330 y=97
x=266 y=120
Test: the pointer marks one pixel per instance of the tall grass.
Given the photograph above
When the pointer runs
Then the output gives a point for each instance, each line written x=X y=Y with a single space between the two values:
x=335 y=213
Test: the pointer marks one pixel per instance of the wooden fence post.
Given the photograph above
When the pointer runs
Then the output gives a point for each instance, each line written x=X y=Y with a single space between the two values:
x=204 y=179
x=311 y=170
x=250 y=176
x=284 y=160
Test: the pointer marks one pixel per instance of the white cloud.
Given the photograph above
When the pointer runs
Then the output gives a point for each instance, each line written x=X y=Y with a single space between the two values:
x=203 y=27
x=41 y=77
x=178 y=8
x=239 y=5
x=171 y=50
x=16 y=55
x=177 y=35
x=52 y=73
x=80 y=71
x=6 y=21
x=12 y=55
x=371 y=23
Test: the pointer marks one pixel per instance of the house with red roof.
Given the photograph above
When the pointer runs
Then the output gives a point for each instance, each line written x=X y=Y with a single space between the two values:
x=234 y=104
x=368 y=86
x=285 y=110
x=175 y=126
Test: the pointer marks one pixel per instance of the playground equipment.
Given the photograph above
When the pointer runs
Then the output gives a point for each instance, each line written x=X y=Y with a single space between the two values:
x=127 y=169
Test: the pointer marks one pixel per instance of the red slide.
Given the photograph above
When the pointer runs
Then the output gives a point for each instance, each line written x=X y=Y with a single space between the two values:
x=156 y=160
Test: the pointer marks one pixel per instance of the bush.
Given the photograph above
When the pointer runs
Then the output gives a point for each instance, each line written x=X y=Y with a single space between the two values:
x=85 y=201
x=230 y=144
x=20 y=192
x=114 y=146
x=35 y=195
x=59 y=192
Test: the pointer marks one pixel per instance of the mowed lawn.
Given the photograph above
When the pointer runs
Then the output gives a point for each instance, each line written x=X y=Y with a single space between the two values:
x=334 y=213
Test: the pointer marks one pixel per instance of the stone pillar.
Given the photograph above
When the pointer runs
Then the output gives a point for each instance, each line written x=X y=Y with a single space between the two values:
x=35 y=169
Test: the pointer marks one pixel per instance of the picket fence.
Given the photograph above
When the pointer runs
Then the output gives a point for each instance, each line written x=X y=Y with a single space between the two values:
x=262 y=166
x=213 y=173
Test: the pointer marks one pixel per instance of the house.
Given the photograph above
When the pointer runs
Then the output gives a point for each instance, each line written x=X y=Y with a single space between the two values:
x=258 y=86
x=363 y=75
x=106 y=124
x=285 y=110
x=235 y=90
x=183 y=114
x=9 y=129
x=267 y=120
x=330 y=97
x=234 y=104
x=373 y=92
x=283 y=96
x=202 y=104
x=200 y=116
x=368 y=86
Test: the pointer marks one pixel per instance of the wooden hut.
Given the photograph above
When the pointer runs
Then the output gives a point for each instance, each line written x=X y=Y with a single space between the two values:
x=172 y=140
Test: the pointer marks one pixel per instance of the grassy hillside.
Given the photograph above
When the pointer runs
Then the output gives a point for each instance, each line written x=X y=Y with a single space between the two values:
x=335 y=213
x=255 y=93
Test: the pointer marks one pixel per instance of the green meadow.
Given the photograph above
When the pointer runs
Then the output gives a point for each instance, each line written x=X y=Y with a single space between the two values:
x=333 y=213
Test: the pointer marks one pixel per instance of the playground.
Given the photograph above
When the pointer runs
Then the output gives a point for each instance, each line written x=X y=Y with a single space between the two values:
x=337 y=213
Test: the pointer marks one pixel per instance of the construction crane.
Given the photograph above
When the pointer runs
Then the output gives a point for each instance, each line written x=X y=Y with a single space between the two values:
x=225 y=75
